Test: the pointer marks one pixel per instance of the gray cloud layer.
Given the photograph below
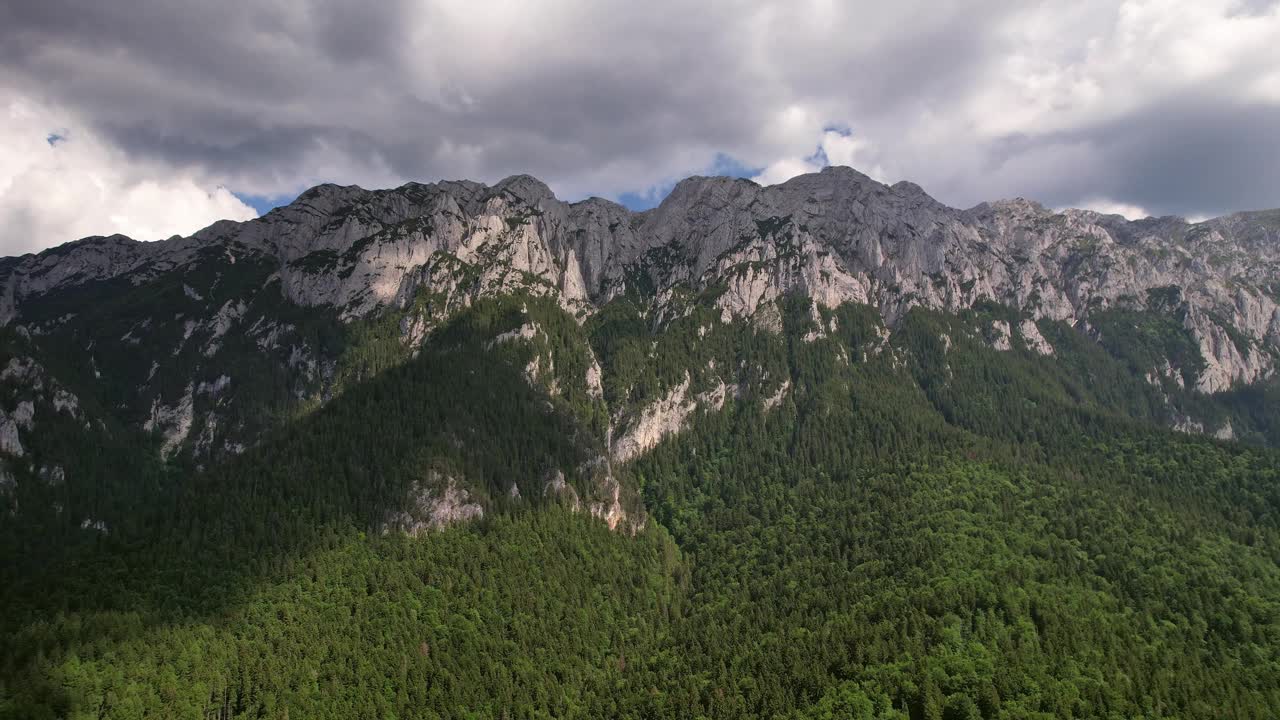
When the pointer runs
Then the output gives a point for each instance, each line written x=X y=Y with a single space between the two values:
x=1173 y=107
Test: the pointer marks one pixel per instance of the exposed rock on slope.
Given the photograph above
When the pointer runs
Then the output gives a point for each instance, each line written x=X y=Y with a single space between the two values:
x=427 y=251
x=435 y=502
x=663 y=417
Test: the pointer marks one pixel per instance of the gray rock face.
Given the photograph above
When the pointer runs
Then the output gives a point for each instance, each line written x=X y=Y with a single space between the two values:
x=1001 y=339
x=435 y=502
x=555 y=486
x=836 y=236
x=172 y=422
x=10 y=442
x=30 y=383
x=1033 y=339
x=665 y=416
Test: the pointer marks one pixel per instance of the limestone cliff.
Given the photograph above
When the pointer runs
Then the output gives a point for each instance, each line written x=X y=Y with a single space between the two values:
x=426 y=251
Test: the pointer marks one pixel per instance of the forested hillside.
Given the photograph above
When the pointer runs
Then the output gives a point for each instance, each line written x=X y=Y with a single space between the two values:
x=923 y=531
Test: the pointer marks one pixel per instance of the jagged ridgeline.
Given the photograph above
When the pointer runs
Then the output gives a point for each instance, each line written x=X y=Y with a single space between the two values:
x=822 y=449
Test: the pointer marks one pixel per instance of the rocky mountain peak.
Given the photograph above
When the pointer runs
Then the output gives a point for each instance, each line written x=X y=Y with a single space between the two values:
x=526 y=189
x=906 y=187
x=844 y=172
x=325 y=191
x=706 y=192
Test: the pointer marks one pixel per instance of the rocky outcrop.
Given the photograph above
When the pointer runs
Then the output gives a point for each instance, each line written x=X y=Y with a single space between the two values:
x=1000 y=336
x=527 y=331
x=1226 y=362
x=1033 y=339
x=1226 y=432
x=1165 y=371
x=661 y=418
x=555 y=486
x=610 y=510
x=1188 y=425
x=173 y=422
x=669 y=414
x=31 y=384
x=778 y=396
x=222 y=322
x=10 y=441
x=435 y=502
x=595 y=379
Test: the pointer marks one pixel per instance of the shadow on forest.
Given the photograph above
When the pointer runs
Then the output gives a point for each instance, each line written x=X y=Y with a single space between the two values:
x=463 y=411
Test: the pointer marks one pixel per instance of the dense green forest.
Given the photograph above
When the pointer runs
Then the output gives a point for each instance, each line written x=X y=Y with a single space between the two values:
x=921 y=528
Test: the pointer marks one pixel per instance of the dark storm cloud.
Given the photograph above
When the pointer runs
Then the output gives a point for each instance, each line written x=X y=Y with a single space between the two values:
x=1193 y=156
x=241 y=90
x=913 y=58
x=609 y=98
x=208 y=82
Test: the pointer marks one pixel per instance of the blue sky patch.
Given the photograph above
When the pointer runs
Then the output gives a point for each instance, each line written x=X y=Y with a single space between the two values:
x=264 y=203
x=722 y=165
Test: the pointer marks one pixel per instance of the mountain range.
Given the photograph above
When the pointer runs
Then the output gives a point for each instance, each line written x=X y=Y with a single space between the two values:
x=743 y=406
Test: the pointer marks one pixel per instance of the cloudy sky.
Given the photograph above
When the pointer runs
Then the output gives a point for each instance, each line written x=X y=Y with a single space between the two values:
x=155 y=117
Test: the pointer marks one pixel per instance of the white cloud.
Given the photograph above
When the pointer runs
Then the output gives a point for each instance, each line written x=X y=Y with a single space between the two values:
x=849 y=149
x=783 y=170
x=1071 y=65
x=58 y=182
x=835 y=147
x=1109 y=207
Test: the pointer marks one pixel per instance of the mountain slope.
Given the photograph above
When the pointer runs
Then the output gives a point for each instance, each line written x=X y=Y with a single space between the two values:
x=344 y=282
x=822 y=449
x=868 y=543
